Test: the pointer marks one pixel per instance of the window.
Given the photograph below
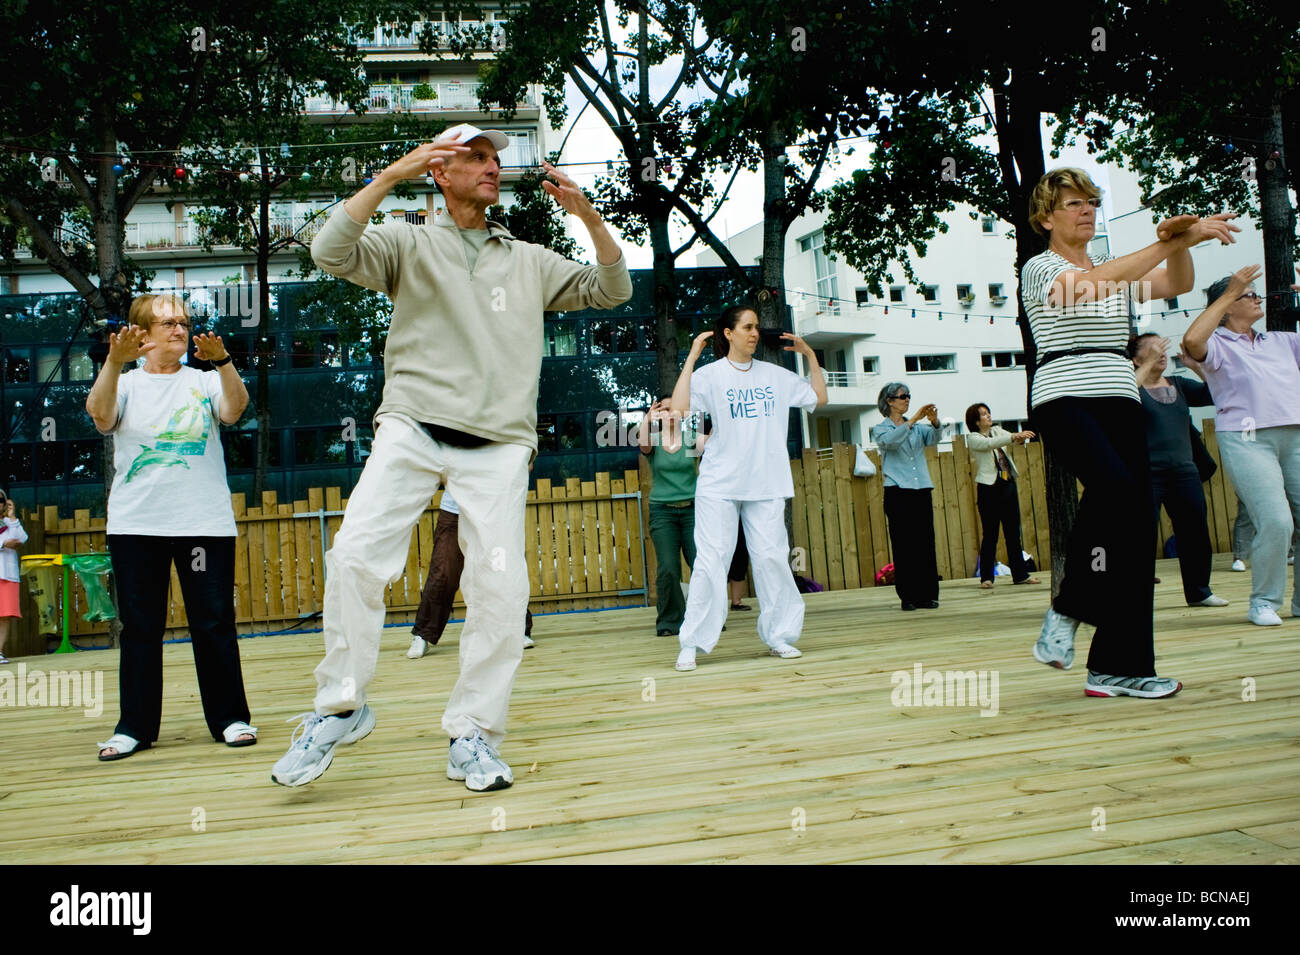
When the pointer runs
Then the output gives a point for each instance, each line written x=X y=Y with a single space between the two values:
x=18 y=366
x=846 y=431
x=80 y=367
x=1002 y=359
x=863 y=297
x=995 y=290
x=837 y=362
x=964 y=293
x=930 y=293
x=48 y=362
x=871 y=365
x=561 y=338
x=988 y=225
x=916 y=363
x=896 y=293
x=86 y=459
x=608 y=338
x=828 y=292
x=1171 y=303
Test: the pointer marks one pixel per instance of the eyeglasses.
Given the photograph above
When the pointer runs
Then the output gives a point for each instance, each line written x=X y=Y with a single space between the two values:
x=904 y=397
x=1076 y=205
x=1253 y=296
x=171 y=324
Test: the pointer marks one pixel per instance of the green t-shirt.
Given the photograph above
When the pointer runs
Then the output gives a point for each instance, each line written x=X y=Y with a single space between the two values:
x=474 y=241
x=674 y=472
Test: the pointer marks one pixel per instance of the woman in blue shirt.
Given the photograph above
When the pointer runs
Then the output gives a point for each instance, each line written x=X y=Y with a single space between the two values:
x=902 y=442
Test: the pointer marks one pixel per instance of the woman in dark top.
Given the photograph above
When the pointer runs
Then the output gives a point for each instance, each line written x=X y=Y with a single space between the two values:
x=1175 y=478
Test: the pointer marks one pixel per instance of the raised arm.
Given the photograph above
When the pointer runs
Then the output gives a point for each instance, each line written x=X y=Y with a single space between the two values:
x=1196 y=336
x=234 y=396
x=1175 y=235
x=681 y=399
x=815 y=377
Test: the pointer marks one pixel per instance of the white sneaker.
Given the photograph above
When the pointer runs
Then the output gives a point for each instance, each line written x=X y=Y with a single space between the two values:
x=528 y=642
x=1055 y=645
x=419 y=647
x=472 y=759
x=1211 y=601
x=686 y=659
x=1238 y=565
x=785 y=651
x=1264 y=617
x=311 y=750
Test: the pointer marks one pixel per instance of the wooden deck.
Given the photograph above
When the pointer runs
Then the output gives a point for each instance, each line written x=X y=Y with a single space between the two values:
x=722 y=764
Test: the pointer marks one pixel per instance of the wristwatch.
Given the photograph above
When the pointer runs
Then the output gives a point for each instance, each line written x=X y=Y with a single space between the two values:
x=224 y=361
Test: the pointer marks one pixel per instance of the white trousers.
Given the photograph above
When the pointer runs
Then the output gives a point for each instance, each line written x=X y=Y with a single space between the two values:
x=781 y=607
x=405 y=468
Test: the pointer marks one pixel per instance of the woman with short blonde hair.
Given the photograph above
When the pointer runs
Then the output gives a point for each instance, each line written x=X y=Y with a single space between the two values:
x=170 y=504
x=1084 y=402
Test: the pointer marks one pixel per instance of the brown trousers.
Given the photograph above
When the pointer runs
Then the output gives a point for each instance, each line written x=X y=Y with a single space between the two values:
x=443 y=580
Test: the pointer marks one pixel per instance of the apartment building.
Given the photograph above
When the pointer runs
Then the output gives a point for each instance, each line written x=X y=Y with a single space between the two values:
x=401 y=79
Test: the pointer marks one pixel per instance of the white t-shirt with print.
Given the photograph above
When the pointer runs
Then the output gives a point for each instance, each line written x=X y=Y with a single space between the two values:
x=170 y=478
x=746 y=458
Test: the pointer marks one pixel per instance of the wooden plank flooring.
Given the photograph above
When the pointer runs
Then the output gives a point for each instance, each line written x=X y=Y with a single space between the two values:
x=618 y=758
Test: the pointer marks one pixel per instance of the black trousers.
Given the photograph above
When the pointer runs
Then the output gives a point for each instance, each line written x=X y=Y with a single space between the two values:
x=911 y=532
x=206 y=569
x=1110 y=561
x=1183 y=497
x=442 y=579
x=999 y=505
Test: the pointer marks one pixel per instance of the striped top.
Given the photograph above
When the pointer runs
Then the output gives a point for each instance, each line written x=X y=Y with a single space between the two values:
x=1103 y=324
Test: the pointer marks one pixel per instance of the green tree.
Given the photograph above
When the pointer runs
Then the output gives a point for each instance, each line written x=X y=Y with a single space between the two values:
x=636 y=77
x=1204 y=117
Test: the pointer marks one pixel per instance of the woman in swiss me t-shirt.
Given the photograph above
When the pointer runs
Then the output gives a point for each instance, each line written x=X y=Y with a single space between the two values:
x=745 y=474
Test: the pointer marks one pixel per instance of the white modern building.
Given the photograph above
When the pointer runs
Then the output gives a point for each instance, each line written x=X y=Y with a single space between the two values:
x=170 y=241
x=954 y=341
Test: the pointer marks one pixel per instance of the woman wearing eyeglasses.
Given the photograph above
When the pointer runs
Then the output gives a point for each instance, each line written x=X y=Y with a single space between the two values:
x=1255 y=378
x=1084 y=402
x=902 y=442
x=170 y=503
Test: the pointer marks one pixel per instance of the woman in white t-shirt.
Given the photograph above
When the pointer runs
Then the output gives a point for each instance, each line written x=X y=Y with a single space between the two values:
x=170 y=504
x=745 y=474
x=1084 y=402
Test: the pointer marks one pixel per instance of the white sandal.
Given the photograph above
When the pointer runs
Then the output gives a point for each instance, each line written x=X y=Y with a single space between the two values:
x=125 y=746
x=238 y=729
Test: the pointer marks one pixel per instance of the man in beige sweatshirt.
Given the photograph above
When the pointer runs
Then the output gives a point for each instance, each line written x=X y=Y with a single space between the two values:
x=461 y=369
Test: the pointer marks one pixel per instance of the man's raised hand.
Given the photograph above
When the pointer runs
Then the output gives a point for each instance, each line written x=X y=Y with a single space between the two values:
x=566 y=192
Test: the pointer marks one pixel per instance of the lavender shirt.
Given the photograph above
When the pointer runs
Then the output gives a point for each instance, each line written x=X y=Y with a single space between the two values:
x=1255 y=384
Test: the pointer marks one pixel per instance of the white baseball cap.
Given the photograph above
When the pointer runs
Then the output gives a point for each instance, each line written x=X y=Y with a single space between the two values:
x=465 y=132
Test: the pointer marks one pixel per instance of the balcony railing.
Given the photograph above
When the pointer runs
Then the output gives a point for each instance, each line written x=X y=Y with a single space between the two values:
x=847 y=379
x=395 y=97
x=408 y=38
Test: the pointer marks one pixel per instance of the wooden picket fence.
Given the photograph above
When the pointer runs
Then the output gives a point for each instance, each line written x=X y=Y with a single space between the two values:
x=841 y=534
x=586 y=541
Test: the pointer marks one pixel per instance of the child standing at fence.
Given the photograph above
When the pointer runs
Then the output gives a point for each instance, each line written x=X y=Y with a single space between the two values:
x=745 y=474
x=12 y=536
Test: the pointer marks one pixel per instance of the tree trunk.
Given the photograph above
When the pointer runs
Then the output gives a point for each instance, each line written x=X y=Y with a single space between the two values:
x=264 y=352
x=665 y=306
x=1020 y=124
x=1277 y=218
